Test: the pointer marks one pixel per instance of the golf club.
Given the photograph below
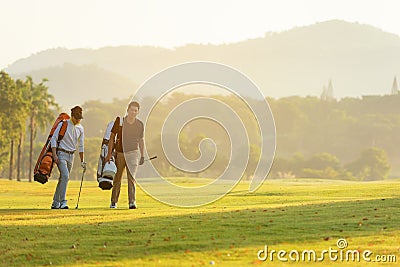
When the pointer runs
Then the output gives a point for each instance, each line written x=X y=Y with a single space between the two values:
x=80 y=188
x=154 y=157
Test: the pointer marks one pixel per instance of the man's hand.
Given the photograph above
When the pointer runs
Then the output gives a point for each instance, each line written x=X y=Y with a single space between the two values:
x=83 y=165
x=55 y=158
x=141 y=161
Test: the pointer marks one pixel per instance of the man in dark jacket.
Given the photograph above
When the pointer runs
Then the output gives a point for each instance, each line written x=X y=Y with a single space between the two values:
x=129 y=152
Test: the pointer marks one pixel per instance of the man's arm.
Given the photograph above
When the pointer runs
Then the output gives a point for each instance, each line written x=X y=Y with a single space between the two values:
x=141 y=148
x=81 y=156
x=82 y=149
x=55 y=157
x=110 y=146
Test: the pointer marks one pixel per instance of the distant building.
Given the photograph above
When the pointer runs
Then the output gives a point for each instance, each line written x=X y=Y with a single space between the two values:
x=327 y=92
x=395 y=87
x=323 y=94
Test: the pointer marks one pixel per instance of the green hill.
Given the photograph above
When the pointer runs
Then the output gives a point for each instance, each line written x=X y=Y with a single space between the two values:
x=74 y=84
x=360 y=60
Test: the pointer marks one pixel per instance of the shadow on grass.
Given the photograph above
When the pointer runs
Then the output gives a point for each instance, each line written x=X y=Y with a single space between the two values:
x=104 y=240
x=240 y=193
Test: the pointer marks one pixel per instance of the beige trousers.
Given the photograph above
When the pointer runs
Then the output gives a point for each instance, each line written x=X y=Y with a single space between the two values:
x=122 y=160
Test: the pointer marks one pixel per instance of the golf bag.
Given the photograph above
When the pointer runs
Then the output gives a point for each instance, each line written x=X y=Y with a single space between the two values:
x=106 y=170
x=44 y=163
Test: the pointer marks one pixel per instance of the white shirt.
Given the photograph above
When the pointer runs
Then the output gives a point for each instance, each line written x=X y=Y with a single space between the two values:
x=71 y=137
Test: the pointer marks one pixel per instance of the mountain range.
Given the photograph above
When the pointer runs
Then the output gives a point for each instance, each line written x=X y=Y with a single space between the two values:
x=358 y=59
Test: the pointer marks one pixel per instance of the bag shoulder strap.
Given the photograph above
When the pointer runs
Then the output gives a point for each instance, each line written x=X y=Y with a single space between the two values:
x=62 y=131
x=118 y=121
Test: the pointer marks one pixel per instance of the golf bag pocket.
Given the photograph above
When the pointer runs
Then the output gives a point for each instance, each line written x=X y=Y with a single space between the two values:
x=106 y=179
x=45 y=167
x=105 y=183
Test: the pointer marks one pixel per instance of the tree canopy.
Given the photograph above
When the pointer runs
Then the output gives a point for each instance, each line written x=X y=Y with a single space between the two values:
x=351 y=138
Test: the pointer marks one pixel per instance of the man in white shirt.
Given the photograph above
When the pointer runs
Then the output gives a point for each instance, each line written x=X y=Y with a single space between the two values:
x=63 y=154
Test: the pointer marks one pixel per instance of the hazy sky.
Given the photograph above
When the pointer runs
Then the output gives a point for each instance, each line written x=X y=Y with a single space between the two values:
x=31 y=26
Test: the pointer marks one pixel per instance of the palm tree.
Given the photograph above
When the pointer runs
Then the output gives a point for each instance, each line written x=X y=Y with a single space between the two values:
x=10 y=103
x=40 y=111
x=6 y=85
x=22 y=118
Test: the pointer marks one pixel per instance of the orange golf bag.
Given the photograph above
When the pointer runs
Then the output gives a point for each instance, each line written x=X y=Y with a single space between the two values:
x=44 y=164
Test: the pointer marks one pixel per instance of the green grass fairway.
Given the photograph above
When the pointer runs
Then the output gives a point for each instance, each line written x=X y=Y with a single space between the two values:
x=289 y=215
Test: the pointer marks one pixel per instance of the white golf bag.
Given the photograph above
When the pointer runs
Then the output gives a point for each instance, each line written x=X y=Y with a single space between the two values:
x=106 y=170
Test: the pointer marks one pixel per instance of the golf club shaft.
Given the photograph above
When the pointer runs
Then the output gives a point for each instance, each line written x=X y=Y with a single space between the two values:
x=80 y=189
x=154 y=157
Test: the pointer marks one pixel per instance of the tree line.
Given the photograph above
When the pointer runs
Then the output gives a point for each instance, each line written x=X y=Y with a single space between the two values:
x=351 y=138
x=25 y=107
